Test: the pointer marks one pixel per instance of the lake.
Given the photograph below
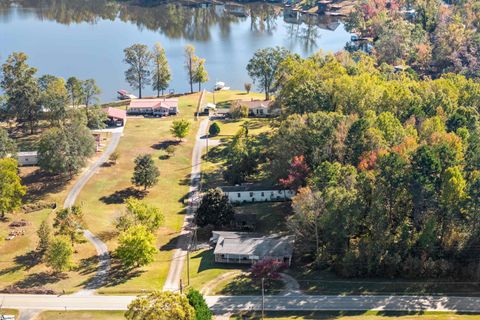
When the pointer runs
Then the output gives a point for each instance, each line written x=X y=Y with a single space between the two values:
x=86 y=38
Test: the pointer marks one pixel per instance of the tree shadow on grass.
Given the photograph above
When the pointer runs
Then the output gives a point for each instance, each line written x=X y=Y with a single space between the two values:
x=119 y=274
x=165 y=144
x=107 y=235
x=119 y=197
x=40 y=279
x=41 y=184
x=28 y=260
x=88 y=266
x=173 y=244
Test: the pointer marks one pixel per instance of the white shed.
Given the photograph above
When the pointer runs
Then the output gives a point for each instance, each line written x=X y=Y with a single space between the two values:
x=27 y=158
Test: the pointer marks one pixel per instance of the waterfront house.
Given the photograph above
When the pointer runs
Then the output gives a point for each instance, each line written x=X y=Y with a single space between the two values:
x=249 y=248
x=256 y=193
x=153 y=107
x=259 y=108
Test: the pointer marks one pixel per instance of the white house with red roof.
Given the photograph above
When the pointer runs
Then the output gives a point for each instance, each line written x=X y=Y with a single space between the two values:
x=154 y=107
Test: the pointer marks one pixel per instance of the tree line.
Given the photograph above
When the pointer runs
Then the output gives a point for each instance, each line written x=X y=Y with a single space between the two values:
x=147 y=67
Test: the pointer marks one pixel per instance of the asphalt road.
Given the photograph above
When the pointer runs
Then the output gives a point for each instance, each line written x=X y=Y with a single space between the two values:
x=172 y=283
x=222 y=304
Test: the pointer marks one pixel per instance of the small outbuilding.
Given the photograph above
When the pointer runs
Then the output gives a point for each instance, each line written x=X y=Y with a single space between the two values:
x=27 y=158
x=249 y=192
x=249 y=248
x=116 y=117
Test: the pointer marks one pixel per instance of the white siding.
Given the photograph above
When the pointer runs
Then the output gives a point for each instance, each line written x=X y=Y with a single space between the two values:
x=259 y=196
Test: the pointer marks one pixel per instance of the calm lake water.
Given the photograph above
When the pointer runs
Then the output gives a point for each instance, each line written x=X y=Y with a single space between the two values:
x=86 y=38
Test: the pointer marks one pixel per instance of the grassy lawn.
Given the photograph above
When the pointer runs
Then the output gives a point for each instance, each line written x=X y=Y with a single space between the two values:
x=19 y=264
x=102 y=198
x=21 y=267
x=81 y=315
x=324 y=282
x=360 y=315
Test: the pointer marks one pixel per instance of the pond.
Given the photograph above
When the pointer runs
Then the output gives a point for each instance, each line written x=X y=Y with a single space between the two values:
x=86 y=38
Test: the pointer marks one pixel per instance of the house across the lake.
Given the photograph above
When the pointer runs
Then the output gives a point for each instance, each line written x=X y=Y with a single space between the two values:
x=250 y=192
x=116 y=117
x=153 y=107
x=27 y=158
x=249 y=248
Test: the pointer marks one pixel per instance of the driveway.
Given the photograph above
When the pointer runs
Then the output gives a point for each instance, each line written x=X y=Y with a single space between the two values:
x=172 y=283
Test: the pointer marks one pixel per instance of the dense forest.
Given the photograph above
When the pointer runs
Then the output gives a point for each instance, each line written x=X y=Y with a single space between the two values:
x=431 y=36
x=387 y=166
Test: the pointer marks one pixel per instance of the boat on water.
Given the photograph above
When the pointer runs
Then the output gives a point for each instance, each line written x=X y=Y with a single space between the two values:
x=125 y=95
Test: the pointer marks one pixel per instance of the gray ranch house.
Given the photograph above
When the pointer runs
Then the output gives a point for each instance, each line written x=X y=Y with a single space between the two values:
x=249 y=248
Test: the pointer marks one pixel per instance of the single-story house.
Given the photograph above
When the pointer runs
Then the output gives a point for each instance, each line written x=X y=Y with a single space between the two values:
x=116 y=117
x=256 y=193
x=153 y=107
x=249 y=248
x=27 y=158
x=259 y=108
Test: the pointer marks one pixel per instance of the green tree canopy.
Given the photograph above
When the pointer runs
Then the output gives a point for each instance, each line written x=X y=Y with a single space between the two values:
x=11 y=189
x=145 y=173
x=138 y=58
x=263 y=66
x=136 y=247
x=65 y=149
x=59 y=254
x=214 y=209
x=140 y=213
x=180 y=128
x=7 y=145
x=161 y=74
x=162 y=305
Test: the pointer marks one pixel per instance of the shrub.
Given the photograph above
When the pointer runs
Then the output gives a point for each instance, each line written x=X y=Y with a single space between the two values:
x=196 y=300
x=214 y=129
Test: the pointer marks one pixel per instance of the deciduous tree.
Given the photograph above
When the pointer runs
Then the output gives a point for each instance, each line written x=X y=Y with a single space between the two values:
x=138 y=58
x=59 y=254
x=136 y=247
x=146 y=172
x=161 y=74
x=161 y=304
x=11 y=189
x=214 y=209
x=180 y=128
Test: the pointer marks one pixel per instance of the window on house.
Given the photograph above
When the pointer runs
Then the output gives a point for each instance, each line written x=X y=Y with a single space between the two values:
x=263 y=194
x=251 y=194
x=239 y=195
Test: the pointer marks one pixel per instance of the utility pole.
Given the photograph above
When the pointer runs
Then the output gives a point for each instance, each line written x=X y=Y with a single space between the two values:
x=263 y=298
x=188 y=265
x=181 y=286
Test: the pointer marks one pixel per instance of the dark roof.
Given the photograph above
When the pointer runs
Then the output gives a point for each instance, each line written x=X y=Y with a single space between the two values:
x=245 y=217
x=250 y=187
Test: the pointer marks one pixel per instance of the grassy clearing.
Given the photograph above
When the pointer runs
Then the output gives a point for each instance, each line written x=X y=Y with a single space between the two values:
x=324 y=282
x=81 y=315
x=103 y=196
x=19 y=264
x=361 y=315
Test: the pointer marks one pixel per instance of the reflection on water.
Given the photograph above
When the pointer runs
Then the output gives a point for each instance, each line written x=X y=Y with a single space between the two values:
x=233 y=29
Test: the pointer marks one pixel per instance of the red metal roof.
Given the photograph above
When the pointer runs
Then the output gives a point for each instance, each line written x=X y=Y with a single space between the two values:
x=116 y=113
x=154 y=103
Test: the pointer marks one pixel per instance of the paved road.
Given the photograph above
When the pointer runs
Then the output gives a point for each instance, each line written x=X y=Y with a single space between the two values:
x=222 y=304
x=101 y=248
x=172 y=283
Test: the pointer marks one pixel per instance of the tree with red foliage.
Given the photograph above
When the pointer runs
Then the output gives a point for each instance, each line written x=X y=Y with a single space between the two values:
x=267 y=269
x=297 y=174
